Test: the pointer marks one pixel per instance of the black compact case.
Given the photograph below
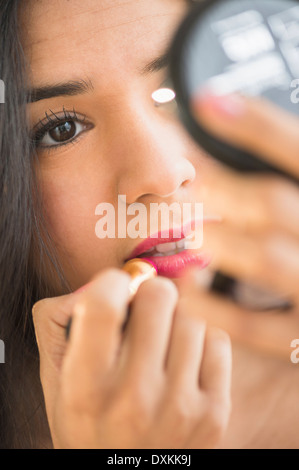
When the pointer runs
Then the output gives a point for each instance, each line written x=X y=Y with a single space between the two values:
x=237 y=46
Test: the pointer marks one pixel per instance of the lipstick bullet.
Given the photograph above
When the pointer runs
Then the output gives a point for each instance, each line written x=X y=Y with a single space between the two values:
x=140 y=271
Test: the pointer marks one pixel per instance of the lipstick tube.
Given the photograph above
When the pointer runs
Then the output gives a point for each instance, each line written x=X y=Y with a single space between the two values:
x=140 y=271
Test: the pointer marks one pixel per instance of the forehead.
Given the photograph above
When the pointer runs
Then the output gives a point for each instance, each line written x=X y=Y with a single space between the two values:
x=95 y=34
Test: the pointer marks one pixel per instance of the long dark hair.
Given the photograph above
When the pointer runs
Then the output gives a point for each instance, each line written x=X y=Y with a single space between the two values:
x=25 y=251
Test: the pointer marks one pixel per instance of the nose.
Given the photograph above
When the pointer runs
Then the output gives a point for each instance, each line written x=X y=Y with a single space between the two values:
x=152 y=157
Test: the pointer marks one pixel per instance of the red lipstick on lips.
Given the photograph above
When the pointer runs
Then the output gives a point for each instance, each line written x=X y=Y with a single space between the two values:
x=174 y=264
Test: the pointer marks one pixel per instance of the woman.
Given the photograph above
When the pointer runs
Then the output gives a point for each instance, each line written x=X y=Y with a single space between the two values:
x=95 y=134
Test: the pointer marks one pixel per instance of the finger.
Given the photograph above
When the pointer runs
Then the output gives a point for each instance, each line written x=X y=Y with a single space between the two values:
x=216 y=369
x=239 y=120
x=186 y=346
x=149 y=328
x=251 y=203
x=269 y=260
x=215 y=382
x=270 y=332
x=95 y=336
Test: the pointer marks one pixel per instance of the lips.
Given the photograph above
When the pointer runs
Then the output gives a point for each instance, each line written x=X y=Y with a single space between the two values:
x=175 y=266
x=167 y=251
x=162 y=238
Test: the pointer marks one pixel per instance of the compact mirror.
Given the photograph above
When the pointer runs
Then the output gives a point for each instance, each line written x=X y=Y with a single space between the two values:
x=245 y=46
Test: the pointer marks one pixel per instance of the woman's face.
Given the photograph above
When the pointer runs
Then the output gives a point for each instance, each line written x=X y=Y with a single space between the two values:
x=94 y=67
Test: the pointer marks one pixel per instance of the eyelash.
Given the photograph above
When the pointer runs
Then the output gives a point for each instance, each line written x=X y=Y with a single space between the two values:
x=50 y=122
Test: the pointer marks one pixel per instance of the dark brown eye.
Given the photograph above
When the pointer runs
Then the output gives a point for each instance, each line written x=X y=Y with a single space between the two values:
x=63 y=132
x=55 y=131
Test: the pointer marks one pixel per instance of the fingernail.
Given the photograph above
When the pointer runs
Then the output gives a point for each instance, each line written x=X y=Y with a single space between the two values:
x=82 y=289
x=230 y=106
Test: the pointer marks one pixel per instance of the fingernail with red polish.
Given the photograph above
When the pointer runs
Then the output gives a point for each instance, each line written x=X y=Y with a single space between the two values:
x=231 y=106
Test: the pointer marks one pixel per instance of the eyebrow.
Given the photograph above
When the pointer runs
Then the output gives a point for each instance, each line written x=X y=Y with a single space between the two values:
x=71 y=88
x=157 y=64
x=79 y=87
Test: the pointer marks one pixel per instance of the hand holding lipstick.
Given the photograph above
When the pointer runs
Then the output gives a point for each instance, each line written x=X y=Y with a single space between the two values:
x=165 y=383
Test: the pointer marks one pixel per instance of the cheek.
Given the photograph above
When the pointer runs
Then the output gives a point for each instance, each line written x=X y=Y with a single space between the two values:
x=69 y=211
x=69 y=208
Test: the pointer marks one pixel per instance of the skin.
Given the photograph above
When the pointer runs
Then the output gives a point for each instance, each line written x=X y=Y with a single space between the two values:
x=267 y=230
x=157 y=163
x=96 y=385
x=104 y=163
